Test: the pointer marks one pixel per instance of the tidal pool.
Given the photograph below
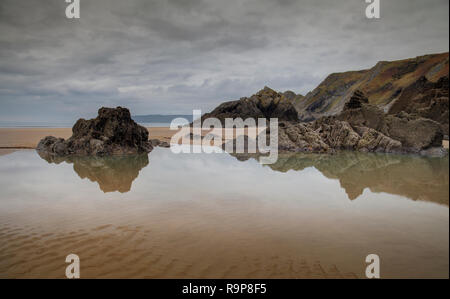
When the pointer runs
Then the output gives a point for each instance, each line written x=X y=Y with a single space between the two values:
x=165 y=215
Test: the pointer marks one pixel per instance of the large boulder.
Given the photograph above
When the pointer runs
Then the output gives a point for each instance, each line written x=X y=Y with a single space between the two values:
x=112 y=132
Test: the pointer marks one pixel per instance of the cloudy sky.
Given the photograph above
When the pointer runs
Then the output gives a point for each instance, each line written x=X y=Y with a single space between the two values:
x=173 y=56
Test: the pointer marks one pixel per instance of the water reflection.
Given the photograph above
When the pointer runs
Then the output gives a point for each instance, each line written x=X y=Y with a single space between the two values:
x=414 y=177
x=114 y=173
x=211 y=216
x=418 y=178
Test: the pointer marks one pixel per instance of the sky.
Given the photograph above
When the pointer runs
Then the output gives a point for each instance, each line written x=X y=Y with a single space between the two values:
x=173 y=56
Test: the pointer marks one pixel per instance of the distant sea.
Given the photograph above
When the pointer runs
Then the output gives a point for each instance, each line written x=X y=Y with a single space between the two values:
x=154 y=120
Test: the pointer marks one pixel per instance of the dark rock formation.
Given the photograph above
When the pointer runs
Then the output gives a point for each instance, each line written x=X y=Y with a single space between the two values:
x=425 y=99
x=266 y=103
x=362 y=127
x=113 y=132
x=356 y=100
x=415 y=133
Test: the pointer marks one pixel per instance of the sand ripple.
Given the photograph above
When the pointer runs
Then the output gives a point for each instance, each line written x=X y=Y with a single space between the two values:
x=109 y=251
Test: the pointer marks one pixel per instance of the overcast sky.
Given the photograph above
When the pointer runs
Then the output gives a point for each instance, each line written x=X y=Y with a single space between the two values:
x=172 y=56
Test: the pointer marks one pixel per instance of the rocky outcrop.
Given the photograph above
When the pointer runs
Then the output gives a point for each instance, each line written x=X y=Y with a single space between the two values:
x=266 y=103
x=425 y=99
x=329 y=134
x=112 y=132
x=299 y=137
x=356 y=101
x=413 y=132
x=362 y=127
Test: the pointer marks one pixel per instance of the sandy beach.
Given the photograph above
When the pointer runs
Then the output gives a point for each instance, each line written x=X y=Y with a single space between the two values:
x=28 y=138
x=23 y=138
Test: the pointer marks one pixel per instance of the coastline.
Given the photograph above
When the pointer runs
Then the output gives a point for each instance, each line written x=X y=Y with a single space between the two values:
x=12 y=139
x=28 y=138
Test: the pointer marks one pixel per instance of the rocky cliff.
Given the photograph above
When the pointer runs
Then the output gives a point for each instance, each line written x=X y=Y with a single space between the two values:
x=362 y=126
x=426 y=99
x=383 y=84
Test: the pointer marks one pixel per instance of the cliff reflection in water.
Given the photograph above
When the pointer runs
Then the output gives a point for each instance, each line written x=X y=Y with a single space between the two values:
x=113 y=173
x=415 y=177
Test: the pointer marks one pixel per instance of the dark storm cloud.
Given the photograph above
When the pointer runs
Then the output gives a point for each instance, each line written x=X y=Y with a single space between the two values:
x=172 y=56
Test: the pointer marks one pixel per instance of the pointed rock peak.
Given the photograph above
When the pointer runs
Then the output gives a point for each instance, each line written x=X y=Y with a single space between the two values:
x=267 y=91
x=289 y=94
x=356 y=101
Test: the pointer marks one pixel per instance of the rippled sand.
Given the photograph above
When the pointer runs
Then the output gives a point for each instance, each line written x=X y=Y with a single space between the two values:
x=125 y=251
x=213 y=216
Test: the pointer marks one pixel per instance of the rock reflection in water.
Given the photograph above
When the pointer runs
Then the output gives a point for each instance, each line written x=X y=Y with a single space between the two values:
x=415 y=177
x=112 y=173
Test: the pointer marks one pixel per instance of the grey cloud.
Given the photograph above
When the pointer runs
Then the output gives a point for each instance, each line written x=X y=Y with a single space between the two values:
x=173 y=56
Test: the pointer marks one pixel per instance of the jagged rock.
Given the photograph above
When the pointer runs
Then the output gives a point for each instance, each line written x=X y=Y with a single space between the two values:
x=299 y=137
x=414 y=132
x=329 y=134
x=360 y=126
x=374 y=141
x=356 y=101
x=266 y=103
x=113 y=132
x=337 y=134
x=426 y=99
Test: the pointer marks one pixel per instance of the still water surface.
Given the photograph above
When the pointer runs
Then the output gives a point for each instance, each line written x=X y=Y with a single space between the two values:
x=220 y=216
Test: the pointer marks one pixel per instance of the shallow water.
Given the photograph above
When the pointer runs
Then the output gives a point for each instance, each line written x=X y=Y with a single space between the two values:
x=215 y=215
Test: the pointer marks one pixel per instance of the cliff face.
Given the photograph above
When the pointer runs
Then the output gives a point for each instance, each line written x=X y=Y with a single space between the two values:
x=383 y=85
x=426 y=99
